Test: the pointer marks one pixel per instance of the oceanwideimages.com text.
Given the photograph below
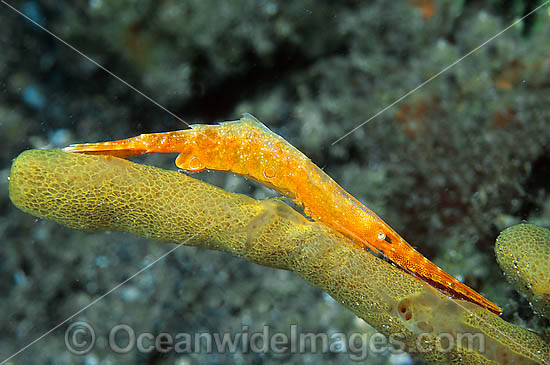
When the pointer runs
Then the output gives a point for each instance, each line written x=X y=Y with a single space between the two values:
x=81 y=338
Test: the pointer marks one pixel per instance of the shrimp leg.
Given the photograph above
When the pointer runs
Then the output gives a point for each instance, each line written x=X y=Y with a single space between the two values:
x=248 y=148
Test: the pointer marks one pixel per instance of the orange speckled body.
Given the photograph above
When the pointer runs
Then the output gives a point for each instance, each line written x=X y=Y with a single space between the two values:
x=250 y=149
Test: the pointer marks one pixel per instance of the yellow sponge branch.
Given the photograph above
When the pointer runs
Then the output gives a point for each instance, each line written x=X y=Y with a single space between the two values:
x=98 y=193
x=523 y=253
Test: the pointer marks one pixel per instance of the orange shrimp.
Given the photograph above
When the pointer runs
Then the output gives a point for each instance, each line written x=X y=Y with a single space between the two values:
x=248 y=148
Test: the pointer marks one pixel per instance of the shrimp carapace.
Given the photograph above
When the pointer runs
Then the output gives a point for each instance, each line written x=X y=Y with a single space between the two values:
x=248 y=148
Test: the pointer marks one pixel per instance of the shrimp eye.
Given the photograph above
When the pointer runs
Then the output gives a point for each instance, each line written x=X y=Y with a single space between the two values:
x=382 y=237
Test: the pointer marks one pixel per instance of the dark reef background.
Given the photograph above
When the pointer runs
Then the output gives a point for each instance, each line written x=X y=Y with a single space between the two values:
x=449 y=167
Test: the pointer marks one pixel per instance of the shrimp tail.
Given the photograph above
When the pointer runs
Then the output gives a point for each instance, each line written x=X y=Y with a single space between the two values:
x=106 y=148
x=135 y=146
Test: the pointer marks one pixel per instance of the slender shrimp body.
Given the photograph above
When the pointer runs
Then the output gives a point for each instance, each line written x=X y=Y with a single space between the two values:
x=250 y=149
